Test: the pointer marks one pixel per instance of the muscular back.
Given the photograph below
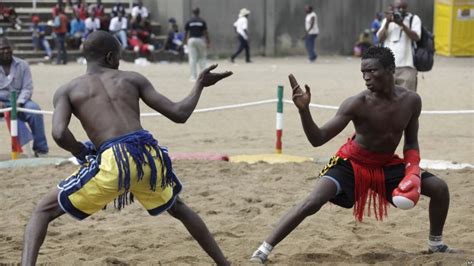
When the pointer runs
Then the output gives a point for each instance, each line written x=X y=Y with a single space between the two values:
x=106 y=103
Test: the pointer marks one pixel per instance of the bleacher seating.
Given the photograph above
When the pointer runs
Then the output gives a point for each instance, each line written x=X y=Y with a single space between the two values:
x=21 y=39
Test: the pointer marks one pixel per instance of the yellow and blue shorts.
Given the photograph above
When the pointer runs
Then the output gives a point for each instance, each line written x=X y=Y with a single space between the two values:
x=95 y=185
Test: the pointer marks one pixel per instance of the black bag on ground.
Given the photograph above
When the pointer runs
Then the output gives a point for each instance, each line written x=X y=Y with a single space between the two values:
x=423 y=55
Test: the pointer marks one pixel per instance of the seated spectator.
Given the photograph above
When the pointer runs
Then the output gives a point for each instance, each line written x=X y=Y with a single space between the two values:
x=118 y=27
x=20 y=80
x=9 y=15
x=175 y=41
x=140 y=16
x=138 y=46
x=117 y=9
x=363 y=43
x=77 y=32
x=80 y=9
x=92 y=24
x=39 y=37
x=98 y=9
x=56 y=7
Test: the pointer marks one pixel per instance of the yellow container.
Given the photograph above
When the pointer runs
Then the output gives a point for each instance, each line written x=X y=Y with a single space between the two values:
x=454 y=27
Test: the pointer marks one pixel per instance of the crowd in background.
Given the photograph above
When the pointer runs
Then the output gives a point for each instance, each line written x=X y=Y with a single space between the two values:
x=72 y=21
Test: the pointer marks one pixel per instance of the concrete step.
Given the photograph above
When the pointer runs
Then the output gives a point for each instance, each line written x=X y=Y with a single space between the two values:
x=40 y=53
x=25 y=31
x=25 y=39
x=24 y=46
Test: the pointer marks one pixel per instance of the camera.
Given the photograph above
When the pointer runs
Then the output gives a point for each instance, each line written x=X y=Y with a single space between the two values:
x=397 y=15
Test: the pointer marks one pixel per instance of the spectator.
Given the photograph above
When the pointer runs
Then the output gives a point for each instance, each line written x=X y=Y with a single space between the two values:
x=117 y=9
x=175 y=41
x=140 y=18
x=98 y=9
x=363 y=43
x=9 y=15
x=197 y=40
x=241 y=27
x=398 y=30
x=138 y=46
x=118 y=27
x=15 y=75
x=92 y=23
x=77 y=32
x=55 y=10
x=80 y=9
x=39 y=37
x=60 y=32
x=375 y=27
x=311 y=32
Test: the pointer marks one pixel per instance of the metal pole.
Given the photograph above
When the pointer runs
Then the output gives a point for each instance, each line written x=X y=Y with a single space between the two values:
x=279 y=120
x=13 y=126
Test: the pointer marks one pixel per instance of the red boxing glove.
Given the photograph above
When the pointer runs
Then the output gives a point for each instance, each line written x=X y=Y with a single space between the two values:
x=407 y=194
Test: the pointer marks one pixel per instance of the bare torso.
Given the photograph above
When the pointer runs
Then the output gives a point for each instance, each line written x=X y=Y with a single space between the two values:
x=380 y=122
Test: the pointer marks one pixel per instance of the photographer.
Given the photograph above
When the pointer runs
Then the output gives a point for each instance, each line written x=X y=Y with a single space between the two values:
x=399 y=29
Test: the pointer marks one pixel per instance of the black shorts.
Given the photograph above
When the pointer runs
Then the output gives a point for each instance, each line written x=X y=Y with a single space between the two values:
x=340 y=171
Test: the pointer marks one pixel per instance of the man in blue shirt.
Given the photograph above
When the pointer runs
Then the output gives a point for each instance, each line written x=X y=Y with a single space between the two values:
x=76 y=32
x=39 y=37
x=15 y=75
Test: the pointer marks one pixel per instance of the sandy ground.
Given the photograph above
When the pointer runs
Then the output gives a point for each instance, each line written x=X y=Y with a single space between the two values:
x=241 y=202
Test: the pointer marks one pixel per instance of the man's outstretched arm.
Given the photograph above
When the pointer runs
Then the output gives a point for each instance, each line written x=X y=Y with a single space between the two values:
x=179 y=111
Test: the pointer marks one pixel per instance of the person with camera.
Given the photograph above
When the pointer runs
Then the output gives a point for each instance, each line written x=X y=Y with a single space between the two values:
x=398 y=31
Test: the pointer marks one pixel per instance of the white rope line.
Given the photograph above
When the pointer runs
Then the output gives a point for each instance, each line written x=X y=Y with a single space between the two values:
x=234 y=106
x=210 y=109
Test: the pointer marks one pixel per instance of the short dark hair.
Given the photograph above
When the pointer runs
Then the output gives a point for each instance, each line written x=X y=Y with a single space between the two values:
x=383 y=54
x=98 y=44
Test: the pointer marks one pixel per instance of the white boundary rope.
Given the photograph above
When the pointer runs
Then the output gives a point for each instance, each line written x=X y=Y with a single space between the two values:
x=235 y=106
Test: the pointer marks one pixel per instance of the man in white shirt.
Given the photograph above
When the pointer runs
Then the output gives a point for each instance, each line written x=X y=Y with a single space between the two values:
x=398 y=31
x=92 y=24
x=241 y=27
x=139 y=15
x=311 y=32
x=118 y=27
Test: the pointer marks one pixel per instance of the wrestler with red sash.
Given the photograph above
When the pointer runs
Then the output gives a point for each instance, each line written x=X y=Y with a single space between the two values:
x=366 y=173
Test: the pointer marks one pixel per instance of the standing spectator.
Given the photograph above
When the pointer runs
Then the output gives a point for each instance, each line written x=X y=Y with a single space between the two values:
x=39 y=37
x=15 y=75
x=76 y=32
x=92 y=23
x=375 y=27
x=241 y=27
x=311 y=32
x=118 y=27
x=117 y=9
x=197 y=40
x=398 y=30
x=60 y=31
